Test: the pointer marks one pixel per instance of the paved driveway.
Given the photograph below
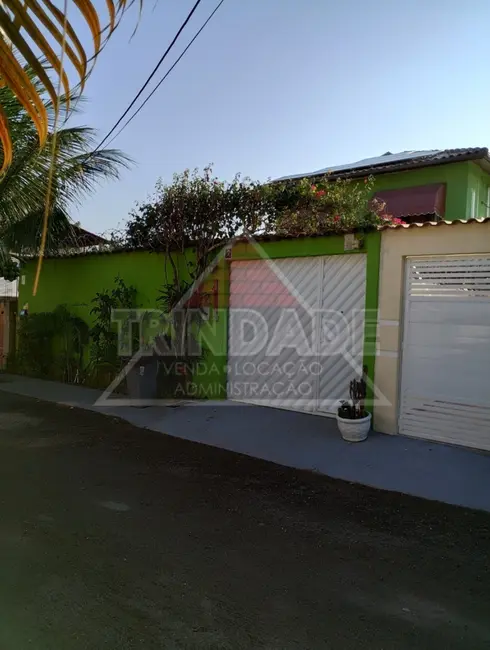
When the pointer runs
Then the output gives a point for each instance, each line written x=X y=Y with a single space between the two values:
x=114 y=537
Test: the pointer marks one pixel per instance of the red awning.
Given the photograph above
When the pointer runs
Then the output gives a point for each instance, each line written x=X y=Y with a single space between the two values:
x=414 y=201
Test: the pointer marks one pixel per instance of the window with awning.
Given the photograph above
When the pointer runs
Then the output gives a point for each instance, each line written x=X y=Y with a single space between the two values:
x=415 y=204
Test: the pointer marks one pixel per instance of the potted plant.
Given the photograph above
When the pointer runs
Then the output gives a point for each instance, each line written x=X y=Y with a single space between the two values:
x=352 y=418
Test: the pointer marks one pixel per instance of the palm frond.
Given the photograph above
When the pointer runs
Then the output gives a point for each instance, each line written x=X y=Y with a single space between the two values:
x=77 y=173
x=78 y=168
x=30 y=27
x=82 y=173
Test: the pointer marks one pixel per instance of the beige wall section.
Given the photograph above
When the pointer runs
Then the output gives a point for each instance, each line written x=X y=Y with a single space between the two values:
x=396 y=245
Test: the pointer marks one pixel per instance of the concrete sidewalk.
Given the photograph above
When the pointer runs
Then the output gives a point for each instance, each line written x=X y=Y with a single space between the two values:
x=430 y=470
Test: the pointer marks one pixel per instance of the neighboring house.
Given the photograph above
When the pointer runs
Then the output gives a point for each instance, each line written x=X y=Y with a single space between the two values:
x=420 y=186
x=9 y=292
x=82 y=239
x=77 y=241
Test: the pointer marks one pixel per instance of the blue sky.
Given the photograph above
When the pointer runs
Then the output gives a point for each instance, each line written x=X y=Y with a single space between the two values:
x=276 y=87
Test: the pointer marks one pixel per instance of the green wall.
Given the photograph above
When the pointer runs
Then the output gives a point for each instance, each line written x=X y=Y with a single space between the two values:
x=75 y=281
x=479 y=181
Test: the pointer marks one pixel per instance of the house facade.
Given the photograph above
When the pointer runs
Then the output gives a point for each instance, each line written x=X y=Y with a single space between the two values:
x=420 y=186
x=407 y=306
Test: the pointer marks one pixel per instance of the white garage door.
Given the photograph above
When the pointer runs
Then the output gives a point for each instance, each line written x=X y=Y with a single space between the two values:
x=296 y=330
x=445 y=387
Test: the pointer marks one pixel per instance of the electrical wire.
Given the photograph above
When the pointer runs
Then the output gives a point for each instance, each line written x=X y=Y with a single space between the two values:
x=165 y=76
x=149 y=78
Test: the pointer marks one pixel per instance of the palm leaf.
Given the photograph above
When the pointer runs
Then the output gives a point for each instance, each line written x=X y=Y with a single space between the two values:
x=77 y=173
x=22 y=39
x=15 y=78
x=23 y=187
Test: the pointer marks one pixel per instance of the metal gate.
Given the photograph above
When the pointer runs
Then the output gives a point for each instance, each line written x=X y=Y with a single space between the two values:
x=296 y=330
x=445 y=391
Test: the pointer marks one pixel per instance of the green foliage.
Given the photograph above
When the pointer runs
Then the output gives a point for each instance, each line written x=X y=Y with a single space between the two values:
x=24 y=236
x=170 y=294
x=180 y=334
x=353 y=409
x=51 y=345
x=200 y=210
x=188 y=220
x=23 y=188
x=325 y=206
x=196 y=206
x=9 y=269
x=104 y=359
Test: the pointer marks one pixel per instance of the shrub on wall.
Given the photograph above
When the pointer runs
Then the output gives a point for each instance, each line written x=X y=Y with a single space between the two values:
x=325 y=206
x=190 y=218
x=60 y=346
x=51 y=345
x=105 y=361
x=199 y=209
x=9 y=269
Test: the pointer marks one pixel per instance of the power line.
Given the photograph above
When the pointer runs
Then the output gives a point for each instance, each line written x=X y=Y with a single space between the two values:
x=165 y=76
x=162 y=58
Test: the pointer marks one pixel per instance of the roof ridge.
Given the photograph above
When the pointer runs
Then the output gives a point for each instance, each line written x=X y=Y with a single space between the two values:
x=442 y=222
x=392 y=162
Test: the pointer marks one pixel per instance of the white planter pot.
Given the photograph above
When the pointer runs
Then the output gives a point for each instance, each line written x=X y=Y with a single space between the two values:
x=354 y=430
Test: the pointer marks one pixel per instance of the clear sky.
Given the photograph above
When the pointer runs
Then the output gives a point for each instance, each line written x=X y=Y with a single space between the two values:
x=277 y=87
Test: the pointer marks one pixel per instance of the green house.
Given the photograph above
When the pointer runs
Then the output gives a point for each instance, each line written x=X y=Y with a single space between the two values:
x=336 y=274
x=420 y=186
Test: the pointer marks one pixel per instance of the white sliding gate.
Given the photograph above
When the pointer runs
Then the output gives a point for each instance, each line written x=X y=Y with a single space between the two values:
x=296 y=330
x=445 y=384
